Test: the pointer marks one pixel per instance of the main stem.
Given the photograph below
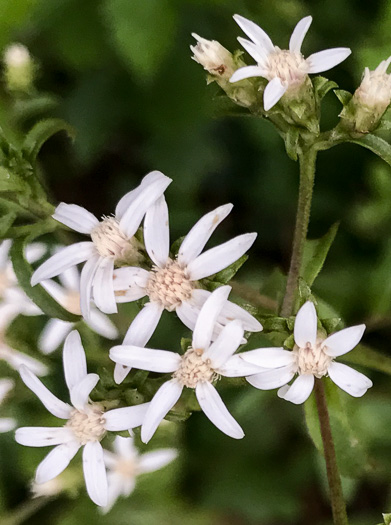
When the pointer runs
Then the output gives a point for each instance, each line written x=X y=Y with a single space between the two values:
x=336 y=495
x=307 y=161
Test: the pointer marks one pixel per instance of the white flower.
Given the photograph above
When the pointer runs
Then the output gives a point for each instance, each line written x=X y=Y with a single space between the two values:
x=213 y=57
x=375 y=88
x=311 y=357
x=6 y=423
x=284 y=69
x=87 y=423
x=125 y=464
x=172 y=283
x=68 y=295
x=198 y=368
x=112 y=241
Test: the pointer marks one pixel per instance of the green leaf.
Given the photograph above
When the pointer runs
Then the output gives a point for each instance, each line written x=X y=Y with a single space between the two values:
x=351 y=455
x=315 y=253
x=379 y=146
x=322 y=86
x=343 y=96
x=40 y=133
x=10 y=181
x=365 y=356
x=37 y=294
x=6 y=222
x=291 y=142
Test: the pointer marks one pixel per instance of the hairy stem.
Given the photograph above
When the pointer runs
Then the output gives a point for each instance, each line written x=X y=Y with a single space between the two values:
x=307 y=175
x=337 y=500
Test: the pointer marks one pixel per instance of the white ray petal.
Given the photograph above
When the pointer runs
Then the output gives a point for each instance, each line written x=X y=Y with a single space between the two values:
x=327 y=59
x=236 y=366
x=102 y=325
x=55 y=406
x=247 y=72
x=115 y=490
x=120 y=372
x=145 y=358
x=269 y=357
x=226 y=344
x=256 y=34
x=125 y=447
x=157 y=232
x=195 y=241
x=299 y=391
x=75 y=217
x=129 y=283
x=95 y=473
x=56 y=461
x=70 y=279
x=6 y=385
x=143 y=325
x=34 y=251
x=53 y=334
x=17 y=359
x=273 y=92
x=188 y=313
x=272 y=378
x=351 y=381
x=343 y=341
x=103 y=287
x=162 y=402
x=86 y=280
x=216 y=411
x=43 y=436
x=299 y=33
x=74 y=360
x=64 y=259
x=125 y=418
x=4 y=249
x=156 y=459
x=256 y=52
x=55 y=290
x=81 y=391
x=306 y=323
x=218 y=258
x=233 y=311
x=202 y=335
x=7 y=424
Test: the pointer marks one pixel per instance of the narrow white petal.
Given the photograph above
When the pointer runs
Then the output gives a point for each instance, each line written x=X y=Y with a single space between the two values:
x=145 y=358
x=188 y=313
x=103 y=287
x=95 y=473
x=70 y=279
x=351 y=381
x=202 y=335
x=299 y=33
x=120 y=372
x=56 y=461
x=215 y=259
x=325 y=60
x=55 y=290
x=232 y=311
x=156 y=460
x=125 y=418
x=255 y=51
x=34 y=251
x=272 y=378
x=343 y=341
x=86 y=280
x=81 y=391
x=115 y=490
x=247 y=72
x=7 y=424
x=157 y=232
x=195 y=241
x=299 y=391
x=306 y=323
x=162 y=402
x=269 y=357
x=129 y=283
x=64 y=259
x=4 y=249
x=74 y=360
x=143 y=325
x=43 y=436
x=256 y=34
x=216 y=411
x=17 y=359
x=226 y=344
x=53 y=334
x=236 y=366
x=102 y=325
x=75 y=217
x=132 y=217
x=55 y=406
x=273 y=92
x=5 y=386
x=125 y=447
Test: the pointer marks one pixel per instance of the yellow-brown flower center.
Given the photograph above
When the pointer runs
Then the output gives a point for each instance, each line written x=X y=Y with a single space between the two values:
x=110 y=241
x=194 y=368
x=87 y=425
x=312 y=359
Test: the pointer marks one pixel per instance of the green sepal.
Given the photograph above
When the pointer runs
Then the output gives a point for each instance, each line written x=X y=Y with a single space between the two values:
x=322 y=86
x=343 y=96
x=292 y=142
x=274 y=324
x=40 y=133
x=331 y=325
x=37 y=294
x=289 y=342
x=185 y=344
x=176 y=245
x=315 y=253
x=10 y=181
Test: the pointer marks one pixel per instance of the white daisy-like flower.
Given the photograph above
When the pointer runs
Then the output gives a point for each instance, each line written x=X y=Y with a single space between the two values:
x=125 y=464
x=112 y=242
x=198 y=368
x=375 y=88
x=172 y=284
x=284 y=69
x=312 y=357
x=6 y=423
x=68 y=295
x=87 y=423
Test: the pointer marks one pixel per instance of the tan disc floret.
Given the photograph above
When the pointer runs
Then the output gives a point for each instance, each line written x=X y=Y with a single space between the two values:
x=290 y=68
x=194 y=368
x=110 y=241
x=312 y=359
x=87 y=425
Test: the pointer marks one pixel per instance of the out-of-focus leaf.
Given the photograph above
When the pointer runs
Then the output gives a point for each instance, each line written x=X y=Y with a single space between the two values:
x=366 y=356
x=40 y=133
x=376 y=144
x=315 y=253
x=6 y=222
x=351 y=455
x=142 y=32
x=37 y=294
x=343 y=96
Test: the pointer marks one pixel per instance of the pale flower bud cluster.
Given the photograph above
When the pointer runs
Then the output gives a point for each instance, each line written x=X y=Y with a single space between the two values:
x=213 y=57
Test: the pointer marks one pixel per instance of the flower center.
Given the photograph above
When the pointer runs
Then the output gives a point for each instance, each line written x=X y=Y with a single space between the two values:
x=87 y=425
x=110 y=241
x=290 y=68
x=126 y=468
x=312 y=359
x=169 y=286
x=194 y=368
x=72 y=302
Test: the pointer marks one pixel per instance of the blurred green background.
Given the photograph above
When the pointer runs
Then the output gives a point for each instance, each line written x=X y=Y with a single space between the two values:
x=120 y=72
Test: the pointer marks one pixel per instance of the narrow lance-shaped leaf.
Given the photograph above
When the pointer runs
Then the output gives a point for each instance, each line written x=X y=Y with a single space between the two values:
x=40 y=133
x=379 y=146
x=41 y=298
x=6 y=222
x=315 y=253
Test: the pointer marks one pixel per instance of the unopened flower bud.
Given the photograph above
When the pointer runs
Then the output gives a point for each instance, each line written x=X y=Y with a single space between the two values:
x=19 y=68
